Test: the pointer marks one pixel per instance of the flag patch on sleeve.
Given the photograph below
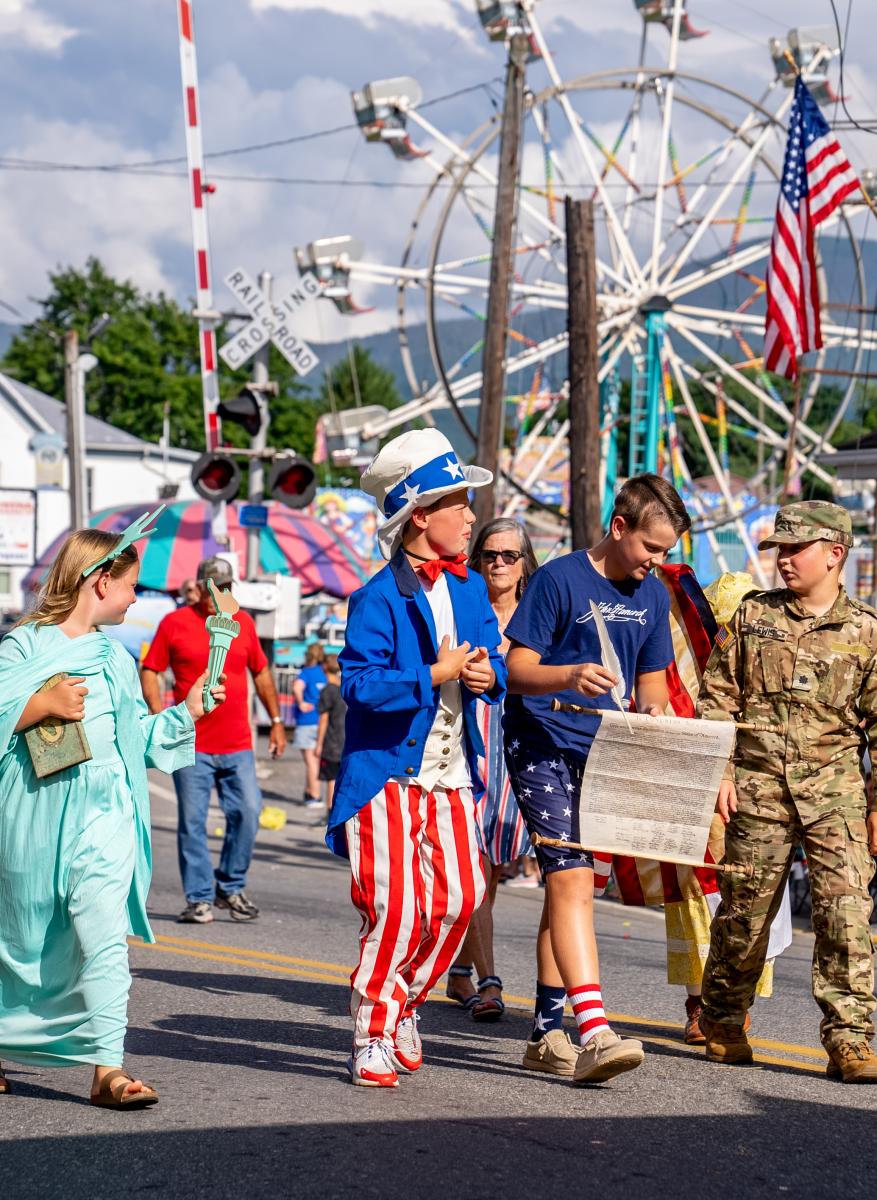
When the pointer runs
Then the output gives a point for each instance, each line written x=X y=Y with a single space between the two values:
x=724 y=637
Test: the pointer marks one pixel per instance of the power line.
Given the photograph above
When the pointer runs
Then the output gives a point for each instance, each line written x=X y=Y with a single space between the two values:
x=842 y=47
x=144 y=166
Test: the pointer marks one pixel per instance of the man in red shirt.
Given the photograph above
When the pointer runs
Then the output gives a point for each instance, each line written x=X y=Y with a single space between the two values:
x=224 y=756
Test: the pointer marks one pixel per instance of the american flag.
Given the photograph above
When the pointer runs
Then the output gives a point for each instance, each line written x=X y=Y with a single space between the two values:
x=816 y=178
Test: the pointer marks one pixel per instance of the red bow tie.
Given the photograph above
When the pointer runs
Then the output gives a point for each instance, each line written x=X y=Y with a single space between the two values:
x=433 y=567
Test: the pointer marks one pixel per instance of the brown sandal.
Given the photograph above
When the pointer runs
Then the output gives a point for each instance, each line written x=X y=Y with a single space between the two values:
x=106 y=1098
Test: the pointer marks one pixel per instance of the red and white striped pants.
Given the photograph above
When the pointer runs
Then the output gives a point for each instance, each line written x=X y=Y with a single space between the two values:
x=417 y=880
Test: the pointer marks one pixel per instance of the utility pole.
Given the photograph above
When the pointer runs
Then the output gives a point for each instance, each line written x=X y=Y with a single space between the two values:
x=584 y=363
x=492 y=411
x=256 y=485
x=75 y=415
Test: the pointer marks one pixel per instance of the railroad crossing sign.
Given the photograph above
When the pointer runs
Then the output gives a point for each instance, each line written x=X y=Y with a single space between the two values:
x=272 y=321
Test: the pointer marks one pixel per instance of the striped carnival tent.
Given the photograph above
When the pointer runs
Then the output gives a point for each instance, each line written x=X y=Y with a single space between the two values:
x=292 y=543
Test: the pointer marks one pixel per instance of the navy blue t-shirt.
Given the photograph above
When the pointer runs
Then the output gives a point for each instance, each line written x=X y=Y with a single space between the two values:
x=554 y=618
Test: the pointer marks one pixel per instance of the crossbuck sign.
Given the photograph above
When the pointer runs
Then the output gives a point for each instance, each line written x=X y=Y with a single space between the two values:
x=272 y=322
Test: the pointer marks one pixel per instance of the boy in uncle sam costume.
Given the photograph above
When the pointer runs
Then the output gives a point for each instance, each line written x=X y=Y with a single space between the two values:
x=422 y=646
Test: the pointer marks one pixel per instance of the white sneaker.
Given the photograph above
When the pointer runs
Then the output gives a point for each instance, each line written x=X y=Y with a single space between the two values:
x=372 y=1066
x=407 y=1051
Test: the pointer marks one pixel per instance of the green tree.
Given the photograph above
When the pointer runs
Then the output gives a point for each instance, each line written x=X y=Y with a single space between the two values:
x=148 y=357
x=358 y=380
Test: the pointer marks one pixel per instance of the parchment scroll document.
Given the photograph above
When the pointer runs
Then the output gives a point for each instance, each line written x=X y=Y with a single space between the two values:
x=651 y=793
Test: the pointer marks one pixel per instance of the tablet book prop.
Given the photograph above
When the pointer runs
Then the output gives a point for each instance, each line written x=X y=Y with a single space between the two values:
x=55 y=744
x=222 y=631
x=650 y=786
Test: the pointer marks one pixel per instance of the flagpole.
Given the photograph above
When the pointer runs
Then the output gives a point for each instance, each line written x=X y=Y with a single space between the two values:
x=793 y=432
x=681 y=860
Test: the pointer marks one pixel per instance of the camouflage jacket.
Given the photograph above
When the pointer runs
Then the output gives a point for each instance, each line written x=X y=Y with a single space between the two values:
x=813 y=678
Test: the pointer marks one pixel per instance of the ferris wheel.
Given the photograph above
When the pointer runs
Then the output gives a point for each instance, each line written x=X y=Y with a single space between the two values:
x=683 y=171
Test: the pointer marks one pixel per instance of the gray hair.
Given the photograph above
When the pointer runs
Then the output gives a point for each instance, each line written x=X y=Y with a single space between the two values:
x=506 y=525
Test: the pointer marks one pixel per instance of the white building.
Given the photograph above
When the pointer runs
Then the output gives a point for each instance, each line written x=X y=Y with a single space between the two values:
x=120 y=469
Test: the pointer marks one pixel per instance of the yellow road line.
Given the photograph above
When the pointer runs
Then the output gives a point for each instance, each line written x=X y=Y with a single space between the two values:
x=295 y=972
x=267 y=955
x=305 y=968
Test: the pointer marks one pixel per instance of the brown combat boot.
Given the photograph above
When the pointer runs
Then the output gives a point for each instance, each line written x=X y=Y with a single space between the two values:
x=853 y=1062
x=726 y=1043
x=693 y=1033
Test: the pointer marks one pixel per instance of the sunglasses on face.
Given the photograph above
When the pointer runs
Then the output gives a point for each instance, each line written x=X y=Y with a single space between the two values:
x=509 y=557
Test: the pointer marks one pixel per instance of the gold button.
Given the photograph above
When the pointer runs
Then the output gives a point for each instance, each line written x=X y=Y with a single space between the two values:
x=449 y=720
x=446 y=737
x=447 y=750
x=409 y=770
x=412 y=741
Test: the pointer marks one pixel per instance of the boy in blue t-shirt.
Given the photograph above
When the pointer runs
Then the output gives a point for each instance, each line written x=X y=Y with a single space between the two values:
x=555 y=653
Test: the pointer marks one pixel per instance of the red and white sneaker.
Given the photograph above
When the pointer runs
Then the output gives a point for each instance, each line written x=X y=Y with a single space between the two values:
x=407 y=1051
x=372 y=1066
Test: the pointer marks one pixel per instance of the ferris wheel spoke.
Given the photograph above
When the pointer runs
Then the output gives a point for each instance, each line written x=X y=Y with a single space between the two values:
x=718 y=470
x=743 y=131
x=766 y=434
x=760 y=394
x=666 y=103
x=728 y=324
x=742 y=167
x=551 y=159
x=488 y=176
x=720 y=153
x=627 y=256
x=681 y=326
x=714 y=271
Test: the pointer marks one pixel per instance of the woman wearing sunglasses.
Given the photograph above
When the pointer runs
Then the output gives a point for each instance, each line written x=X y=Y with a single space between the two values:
x=503 y=555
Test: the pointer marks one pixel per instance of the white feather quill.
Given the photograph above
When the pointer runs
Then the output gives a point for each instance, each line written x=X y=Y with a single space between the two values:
x=610 y=662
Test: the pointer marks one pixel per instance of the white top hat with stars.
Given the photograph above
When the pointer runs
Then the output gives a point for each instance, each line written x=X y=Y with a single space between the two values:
x=414 y=470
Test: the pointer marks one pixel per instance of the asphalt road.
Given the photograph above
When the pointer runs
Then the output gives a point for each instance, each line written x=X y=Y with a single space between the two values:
x=243 y=1029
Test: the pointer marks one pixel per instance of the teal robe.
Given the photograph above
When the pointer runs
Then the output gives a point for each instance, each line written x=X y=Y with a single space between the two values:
x=75 y=852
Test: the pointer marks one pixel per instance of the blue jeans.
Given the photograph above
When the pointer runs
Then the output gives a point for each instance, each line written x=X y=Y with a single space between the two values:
x=234 y=777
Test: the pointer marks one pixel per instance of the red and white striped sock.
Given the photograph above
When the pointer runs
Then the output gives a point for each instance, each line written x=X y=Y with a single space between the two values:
x=587 y=1004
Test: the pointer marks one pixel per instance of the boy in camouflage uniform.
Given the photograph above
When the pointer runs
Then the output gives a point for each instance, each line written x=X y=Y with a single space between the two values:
x=803 y=660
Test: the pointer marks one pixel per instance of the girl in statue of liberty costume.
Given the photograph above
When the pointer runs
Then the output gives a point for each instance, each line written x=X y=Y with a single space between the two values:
x=75 y=855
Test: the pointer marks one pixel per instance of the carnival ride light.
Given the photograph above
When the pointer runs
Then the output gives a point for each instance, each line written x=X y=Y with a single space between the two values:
x=661 y=11
x=328 y=260
x=381 y=110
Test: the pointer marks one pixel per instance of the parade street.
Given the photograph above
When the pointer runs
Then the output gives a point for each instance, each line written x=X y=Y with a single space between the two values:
x=243 y=1030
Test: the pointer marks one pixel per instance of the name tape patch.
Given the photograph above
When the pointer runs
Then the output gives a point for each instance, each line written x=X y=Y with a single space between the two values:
x=763 y=630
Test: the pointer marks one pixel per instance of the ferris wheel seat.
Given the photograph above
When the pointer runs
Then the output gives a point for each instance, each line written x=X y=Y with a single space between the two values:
x=802 y=48
x=661 y=12
x=380 y=109
x=501 y=18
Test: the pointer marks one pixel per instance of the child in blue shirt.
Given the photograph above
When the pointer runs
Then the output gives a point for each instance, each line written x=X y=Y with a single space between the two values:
x=555 y=653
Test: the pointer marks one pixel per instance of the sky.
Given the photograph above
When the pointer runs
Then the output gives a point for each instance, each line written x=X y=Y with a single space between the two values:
x=92 y=82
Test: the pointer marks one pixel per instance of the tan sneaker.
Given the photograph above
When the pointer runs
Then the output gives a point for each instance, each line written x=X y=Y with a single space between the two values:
x=605 y=1056
x=853 y=1062
x=726 y=1044
x=554 y=1053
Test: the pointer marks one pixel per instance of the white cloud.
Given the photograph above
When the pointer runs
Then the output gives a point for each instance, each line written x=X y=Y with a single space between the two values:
x=61 y=219
x=21 y=21
x=445 y=14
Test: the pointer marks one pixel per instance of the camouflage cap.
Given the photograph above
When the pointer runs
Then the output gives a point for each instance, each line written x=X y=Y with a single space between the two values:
x=810 y=521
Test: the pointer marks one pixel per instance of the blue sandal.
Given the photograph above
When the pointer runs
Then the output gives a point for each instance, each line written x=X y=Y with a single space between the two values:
x=467 y=1002
x=488 y=1010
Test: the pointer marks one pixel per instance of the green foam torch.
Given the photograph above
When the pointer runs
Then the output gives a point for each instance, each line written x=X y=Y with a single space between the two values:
x=222 y=630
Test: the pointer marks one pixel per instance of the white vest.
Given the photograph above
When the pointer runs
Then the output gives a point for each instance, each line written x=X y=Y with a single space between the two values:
x=444 y=761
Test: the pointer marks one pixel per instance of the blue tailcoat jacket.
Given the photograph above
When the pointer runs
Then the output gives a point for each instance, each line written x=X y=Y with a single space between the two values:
x=385 y=680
